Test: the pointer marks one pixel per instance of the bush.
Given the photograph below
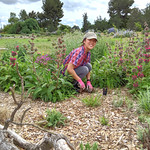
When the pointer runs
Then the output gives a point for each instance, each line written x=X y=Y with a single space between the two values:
x=87 y=146
x=144 y=100
x=92 y=101
x=29 y=26
x=123 y=34
x=55 y=118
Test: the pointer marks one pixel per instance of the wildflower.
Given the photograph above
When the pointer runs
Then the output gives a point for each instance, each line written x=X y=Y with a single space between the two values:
x=135 y=85
x=141 y=75
x=120 y=61
x=140 y=61
x=12 y=60
x=134 y=70
x=146 y=60
x=139 y=68
x=12 y=64
x=120 y=53
x=17 y=47
x=147 y=47
x=134 y=77
x=146 y=33
x=44 y=59
x=146 y=55
x=13 y=53
x=124 y=69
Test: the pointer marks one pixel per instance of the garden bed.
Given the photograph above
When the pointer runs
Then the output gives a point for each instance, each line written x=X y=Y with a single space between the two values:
x=83 y=122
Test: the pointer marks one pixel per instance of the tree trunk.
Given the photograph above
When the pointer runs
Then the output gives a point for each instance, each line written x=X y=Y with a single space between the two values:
x=9 y=140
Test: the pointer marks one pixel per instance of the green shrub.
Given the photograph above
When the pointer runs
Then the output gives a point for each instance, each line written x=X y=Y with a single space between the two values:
x=118 y=102
x=92 y=100
x=106 y=74
x=55 y=118
x=144 y=136
x=144 y=100
x=129 y=103
x=87 y=146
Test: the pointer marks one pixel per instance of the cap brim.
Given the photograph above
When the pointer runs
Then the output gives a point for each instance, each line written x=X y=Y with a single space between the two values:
x=92 y=37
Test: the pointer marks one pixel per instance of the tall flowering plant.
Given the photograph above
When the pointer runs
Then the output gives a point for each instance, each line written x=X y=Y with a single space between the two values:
x=127 y=63
x=137 y=59
x=49 y=83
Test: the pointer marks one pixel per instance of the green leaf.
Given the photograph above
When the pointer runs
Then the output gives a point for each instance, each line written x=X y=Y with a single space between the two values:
x=51 y=88
x=5 y=78
x=60 y=94
x=36 y=92
x=14 y=79
x=29 y=85
x=44 y=85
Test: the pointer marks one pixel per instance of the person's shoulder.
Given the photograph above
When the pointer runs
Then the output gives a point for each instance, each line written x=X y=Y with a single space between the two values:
x=81 y=48
x=77 y=49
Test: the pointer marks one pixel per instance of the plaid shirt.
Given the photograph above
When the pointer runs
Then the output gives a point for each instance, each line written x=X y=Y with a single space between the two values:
x=78 y=57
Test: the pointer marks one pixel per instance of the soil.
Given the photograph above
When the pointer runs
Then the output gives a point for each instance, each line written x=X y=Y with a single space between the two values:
x=83 y=123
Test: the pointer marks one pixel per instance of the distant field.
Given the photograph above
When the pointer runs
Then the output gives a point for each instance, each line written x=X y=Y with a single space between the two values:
x=43 y=44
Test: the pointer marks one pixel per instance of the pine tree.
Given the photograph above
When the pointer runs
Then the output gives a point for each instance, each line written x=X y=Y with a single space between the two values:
x=53 y=13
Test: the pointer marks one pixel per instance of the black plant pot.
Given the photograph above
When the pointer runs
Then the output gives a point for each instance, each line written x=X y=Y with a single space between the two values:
x=104 y=91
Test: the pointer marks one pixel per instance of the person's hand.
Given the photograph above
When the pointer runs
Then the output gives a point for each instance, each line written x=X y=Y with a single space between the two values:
x=81 y=84
x=89 y=86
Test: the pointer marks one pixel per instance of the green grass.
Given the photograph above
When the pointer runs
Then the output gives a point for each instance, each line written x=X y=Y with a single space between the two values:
x=43 y=43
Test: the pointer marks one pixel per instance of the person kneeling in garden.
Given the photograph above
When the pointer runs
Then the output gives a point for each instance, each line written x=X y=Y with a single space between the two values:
x=78 y=65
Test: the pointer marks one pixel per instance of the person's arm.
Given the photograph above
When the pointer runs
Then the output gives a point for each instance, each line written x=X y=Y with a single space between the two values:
x=88 y=76
x=72 y=72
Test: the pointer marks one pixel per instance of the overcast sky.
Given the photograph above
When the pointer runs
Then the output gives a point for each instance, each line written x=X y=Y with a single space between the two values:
x=73 y=9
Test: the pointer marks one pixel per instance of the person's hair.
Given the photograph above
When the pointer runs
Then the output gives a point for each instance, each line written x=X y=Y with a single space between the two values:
x=83 y=41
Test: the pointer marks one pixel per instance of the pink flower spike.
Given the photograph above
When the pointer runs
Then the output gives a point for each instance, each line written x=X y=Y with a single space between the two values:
x=17 y=47
x=135 y=85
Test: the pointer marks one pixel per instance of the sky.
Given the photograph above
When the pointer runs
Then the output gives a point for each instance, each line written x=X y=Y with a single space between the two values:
x=73 y=9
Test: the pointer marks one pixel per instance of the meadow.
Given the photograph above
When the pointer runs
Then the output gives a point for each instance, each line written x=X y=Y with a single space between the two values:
x=116 y=63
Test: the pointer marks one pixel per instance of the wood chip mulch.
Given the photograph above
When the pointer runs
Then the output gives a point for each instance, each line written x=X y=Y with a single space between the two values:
x=83 y=123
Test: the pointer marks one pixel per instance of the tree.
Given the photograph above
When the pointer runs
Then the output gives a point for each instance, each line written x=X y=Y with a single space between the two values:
x=41 y=19
x=75 y=27
x=33 y=15
x=28 y=26
x=86 y=23
x=135 y=17
x=13 y=19
x=101 y=24
x=23 y=15
x=146 y=12
x=53 y=13
x=119 y=10
x=64 y=28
